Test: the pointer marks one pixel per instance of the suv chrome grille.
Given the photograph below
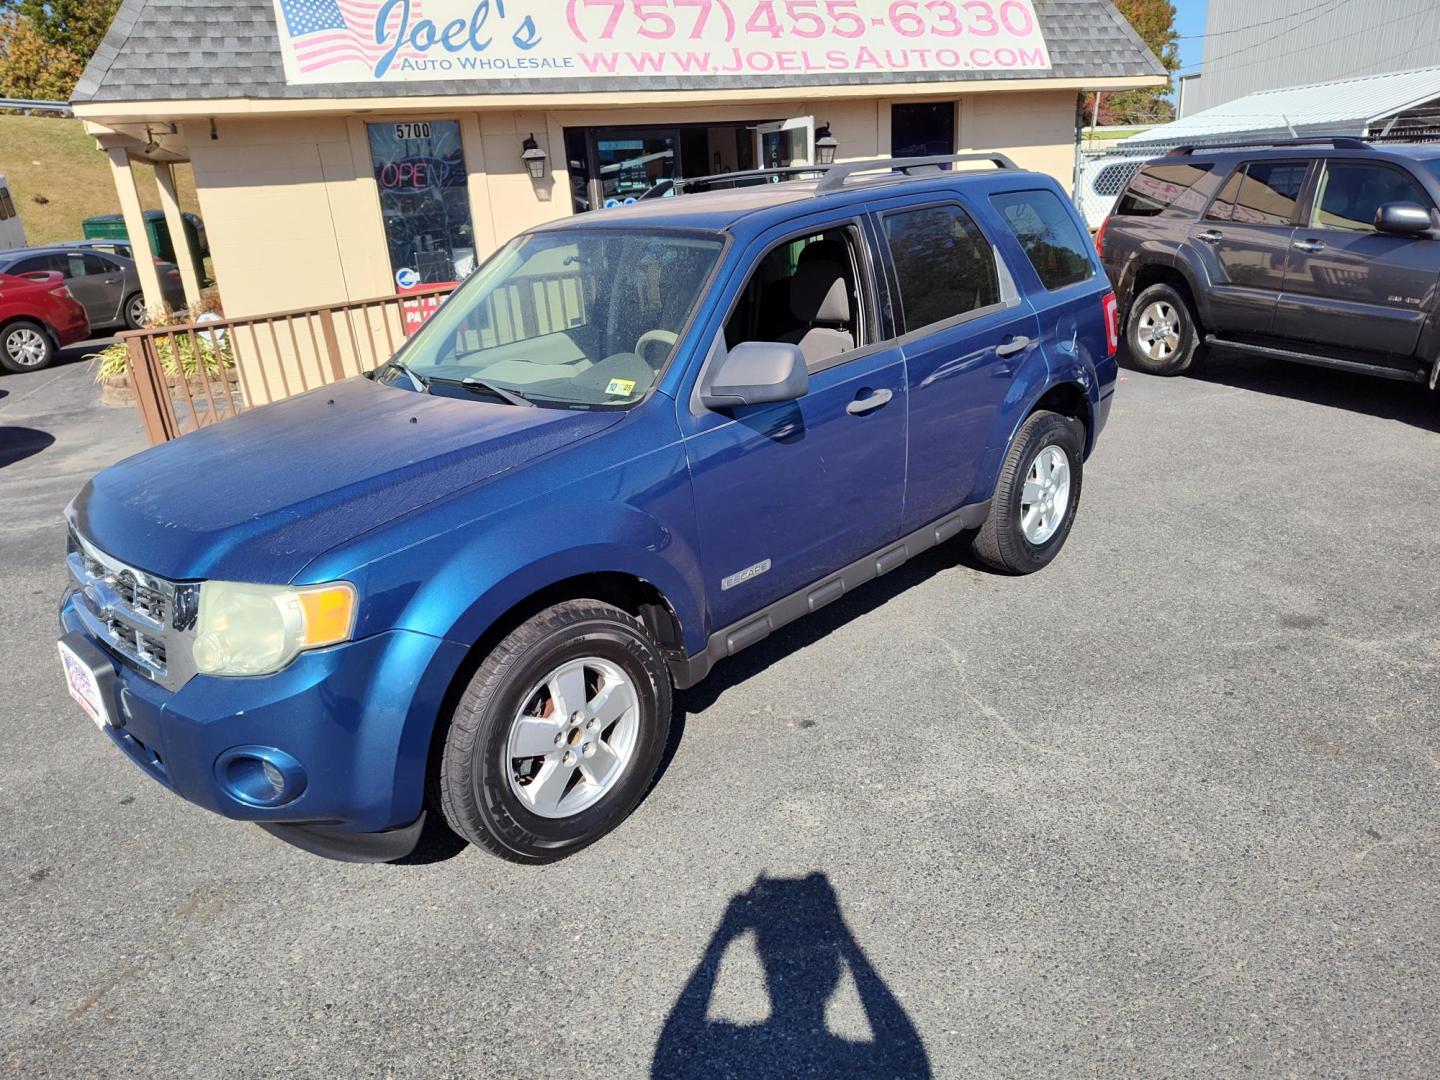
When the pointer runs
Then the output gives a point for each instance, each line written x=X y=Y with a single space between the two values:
x=134 y=613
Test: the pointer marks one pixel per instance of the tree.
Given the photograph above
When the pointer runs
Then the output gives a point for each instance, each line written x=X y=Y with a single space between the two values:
x=32 y=67
x=76 y=25
x=1154 y=21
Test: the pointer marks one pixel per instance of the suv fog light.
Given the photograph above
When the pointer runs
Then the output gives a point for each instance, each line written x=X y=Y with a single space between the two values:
x=260 y=775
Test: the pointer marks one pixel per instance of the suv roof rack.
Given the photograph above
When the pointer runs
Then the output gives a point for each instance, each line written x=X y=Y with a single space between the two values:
x=748 y=174
x=1340 y=142
x=836 y=175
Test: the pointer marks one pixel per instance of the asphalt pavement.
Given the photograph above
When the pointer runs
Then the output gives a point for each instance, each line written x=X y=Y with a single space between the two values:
x=1166 y=809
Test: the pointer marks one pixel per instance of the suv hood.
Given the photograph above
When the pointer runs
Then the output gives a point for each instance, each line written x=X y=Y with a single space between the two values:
x=257 y=497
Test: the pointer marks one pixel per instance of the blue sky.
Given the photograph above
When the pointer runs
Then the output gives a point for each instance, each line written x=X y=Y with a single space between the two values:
x=1190 y=22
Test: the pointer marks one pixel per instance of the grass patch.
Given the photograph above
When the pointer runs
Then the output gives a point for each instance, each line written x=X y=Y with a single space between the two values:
x=53 y=158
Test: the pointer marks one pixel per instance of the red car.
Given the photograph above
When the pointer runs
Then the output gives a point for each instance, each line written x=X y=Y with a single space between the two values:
x=37 y=316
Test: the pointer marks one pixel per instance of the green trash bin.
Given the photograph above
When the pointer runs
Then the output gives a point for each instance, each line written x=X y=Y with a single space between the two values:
x=112 y=227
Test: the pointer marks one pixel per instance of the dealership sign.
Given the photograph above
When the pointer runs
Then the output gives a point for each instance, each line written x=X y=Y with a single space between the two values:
x=347 y=41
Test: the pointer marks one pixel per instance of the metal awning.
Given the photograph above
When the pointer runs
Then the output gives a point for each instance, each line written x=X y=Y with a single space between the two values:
x=1346 y=107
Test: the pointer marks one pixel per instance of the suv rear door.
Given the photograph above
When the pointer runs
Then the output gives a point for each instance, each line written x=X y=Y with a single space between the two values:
x=1244 y=241
x=1348 y=286
x=964 y=330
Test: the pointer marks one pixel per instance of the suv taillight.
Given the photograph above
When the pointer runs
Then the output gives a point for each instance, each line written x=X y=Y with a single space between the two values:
x=1100 y=238
x=1112 y=323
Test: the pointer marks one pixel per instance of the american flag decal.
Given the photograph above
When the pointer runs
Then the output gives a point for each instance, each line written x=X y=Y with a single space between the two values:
x=324 y=33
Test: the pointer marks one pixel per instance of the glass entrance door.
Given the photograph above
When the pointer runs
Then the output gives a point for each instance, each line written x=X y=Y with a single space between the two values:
x=630 y=163
x=785 y=143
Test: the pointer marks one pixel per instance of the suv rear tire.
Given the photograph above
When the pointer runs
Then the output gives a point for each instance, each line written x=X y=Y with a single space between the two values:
x=1036 y=497
x=1162 y=336
x=532 y=775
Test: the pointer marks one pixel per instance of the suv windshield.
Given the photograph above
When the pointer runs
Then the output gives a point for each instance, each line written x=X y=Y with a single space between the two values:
x=573 y=317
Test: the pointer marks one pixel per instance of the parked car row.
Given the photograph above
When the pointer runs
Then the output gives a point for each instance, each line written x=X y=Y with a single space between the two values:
x=98 y=286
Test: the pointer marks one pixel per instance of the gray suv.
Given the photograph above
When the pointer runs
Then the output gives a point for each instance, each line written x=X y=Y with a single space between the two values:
x=1321 y=251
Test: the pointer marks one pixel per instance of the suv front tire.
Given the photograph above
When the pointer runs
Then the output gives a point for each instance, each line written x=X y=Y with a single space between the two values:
x=1162 y=336
x=558 y=735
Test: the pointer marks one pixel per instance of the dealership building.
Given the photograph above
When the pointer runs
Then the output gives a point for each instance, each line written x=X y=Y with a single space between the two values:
x=347 y=149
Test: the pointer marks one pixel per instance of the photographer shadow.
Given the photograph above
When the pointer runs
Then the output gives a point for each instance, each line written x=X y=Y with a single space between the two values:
x=804 y=948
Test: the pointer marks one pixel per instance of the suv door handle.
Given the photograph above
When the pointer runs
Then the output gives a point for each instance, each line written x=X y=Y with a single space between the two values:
x=1310 y=246
x=862 y=405
x=1011 y=346
x=1211 y=236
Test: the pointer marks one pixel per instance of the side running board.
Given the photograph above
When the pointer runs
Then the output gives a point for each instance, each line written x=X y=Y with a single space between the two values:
x=1400 y=374
x=757 y=627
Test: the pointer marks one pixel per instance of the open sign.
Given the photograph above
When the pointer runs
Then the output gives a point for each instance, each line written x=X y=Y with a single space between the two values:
x=412 y=174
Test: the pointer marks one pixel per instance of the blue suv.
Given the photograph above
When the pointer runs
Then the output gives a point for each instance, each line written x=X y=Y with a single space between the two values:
x=632 y=444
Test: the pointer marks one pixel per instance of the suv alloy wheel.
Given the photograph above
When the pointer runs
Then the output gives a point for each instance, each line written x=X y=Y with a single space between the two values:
x=1161 y=335
x=558 y=735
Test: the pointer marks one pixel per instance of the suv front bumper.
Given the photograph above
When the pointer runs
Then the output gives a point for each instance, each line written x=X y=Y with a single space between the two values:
x=351 y=726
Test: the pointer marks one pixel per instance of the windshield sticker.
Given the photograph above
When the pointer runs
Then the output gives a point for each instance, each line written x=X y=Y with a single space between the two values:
x=620 y=387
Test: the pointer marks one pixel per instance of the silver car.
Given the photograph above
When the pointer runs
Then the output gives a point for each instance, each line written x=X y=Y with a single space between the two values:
x=106 y=284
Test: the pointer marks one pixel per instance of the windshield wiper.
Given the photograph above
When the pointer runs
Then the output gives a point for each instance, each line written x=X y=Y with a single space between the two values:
x=420 y=382
x=470 y=382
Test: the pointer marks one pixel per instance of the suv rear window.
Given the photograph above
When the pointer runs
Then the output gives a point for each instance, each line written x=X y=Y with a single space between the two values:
x=1261 y=193
x=1157 y=189
x=1049 y=236
x=943 y=264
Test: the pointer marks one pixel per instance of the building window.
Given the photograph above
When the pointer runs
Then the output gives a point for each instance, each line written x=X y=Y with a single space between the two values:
x=420 y=171
x=925 y=130
x=943 y=264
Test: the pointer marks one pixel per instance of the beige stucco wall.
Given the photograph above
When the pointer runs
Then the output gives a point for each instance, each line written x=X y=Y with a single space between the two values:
x=1037 y=130
x=294 y=217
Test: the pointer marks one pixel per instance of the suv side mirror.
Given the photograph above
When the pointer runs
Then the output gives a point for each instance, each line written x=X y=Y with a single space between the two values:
x=1402 y=219
x=756 y=373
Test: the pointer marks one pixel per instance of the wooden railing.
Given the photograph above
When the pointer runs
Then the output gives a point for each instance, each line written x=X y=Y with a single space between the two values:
x=193 y=375
x=197 y=374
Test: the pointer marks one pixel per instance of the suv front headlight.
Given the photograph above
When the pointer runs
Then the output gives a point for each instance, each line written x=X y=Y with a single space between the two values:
x=258 y=629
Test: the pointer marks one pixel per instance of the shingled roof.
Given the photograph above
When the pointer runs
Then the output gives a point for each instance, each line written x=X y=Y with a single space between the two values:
x=185 y=50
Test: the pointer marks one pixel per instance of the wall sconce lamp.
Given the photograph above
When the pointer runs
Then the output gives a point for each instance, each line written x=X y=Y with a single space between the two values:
x=825 y=146
x=533 y=157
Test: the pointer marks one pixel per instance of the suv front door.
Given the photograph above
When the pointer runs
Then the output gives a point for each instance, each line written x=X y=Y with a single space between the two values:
x=1244 y=243
x=1349 y=286
x=788 y=493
